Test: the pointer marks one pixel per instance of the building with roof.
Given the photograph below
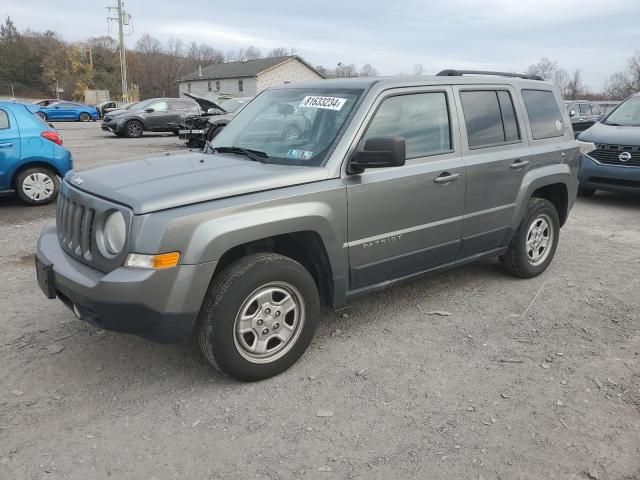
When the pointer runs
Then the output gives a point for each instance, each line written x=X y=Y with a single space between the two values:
x=248 y=78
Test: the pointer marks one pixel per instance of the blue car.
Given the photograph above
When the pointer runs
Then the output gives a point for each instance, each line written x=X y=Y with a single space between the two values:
x=32 y=158
x=68 y=111
x=610 y=150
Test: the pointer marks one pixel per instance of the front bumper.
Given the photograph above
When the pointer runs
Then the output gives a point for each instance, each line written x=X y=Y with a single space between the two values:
x=111 y=126
x=160 y=305
x=613 y=178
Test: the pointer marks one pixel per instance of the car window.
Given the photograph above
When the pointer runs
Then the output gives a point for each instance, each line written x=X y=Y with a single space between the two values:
x=585 y=109
x=543 y=112
x=595 y=109
x=161 y=106
x=627 y=114
x=4 y=120
x=177 y=105
x=421 y=119
x=489 y=117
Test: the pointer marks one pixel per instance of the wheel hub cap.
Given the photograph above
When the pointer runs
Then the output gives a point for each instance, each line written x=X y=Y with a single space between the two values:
x=269 y=322
x=38 y=186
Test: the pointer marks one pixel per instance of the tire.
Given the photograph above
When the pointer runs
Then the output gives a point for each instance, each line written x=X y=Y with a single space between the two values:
x=84 y=117
x=540 y=221
x=213 y=131
x=291 y=133
x=133 y=129
x=247 y=286
x=42 y=115
x=586 y=192
x=37 y=186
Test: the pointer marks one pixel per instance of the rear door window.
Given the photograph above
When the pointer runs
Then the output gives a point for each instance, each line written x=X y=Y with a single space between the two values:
x=544 y=115
x=585 y=109
x=489 y=117
x=422 y=119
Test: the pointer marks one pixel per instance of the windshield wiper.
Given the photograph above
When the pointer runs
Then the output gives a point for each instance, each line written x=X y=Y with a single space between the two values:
x=255 y=155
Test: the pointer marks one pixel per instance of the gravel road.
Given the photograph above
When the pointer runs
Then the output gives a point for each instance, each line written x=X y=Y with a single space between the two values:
x=388 y=389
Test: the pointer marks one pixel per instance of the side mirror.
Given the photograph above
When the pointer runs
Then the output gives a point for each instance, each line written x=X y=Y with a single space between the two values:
x=149 y=110
x=572 y=113
x=379 y=152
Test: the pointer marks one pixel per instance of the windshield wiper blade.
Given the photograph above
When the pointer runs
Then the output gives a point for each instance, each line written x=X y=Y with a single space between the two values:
x=255 y=155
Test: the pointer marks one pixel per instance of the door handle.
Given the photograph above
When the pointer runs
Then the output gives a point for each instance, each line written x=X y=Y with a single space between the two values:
x=518 y=164
x=6 y=144
x=446 y=177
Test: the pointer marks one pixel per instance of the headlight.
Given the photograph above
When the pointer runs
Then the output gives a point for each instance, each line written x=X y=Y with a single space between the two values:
x=115 y=233
x=586 y=147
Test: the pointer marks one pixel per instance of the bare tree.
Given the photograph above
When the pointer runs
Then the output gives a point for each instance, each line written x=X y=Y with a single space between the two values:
x=368 y=70
x=418 y=69
x=346 y=70
x=545 y=69
x=622 y=84
x=281 y=52
x=574 y=86
x=242 y=55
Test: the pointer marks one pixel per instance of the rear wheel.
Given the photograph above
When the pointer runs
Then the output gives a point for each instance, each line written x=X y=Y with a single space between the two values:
x=534 y=243
x=85 y=117
x=259 y=316
x=37 y=186
x=133 y=129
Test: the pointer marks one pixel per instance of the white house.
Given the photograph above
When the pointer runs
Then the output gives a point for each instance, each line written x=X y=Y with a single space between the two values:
x=248 y=78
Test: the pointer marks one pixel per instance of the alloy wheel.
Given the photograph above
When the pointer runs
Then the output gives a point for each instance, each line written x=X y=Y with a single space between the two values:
x=540 y=238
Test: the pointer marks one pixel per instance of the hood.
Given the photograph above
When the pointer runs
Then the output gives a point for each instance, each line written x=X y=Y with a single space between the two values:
x=117 y=112
x=610 y=134
x=169 y=181
x=204 y=103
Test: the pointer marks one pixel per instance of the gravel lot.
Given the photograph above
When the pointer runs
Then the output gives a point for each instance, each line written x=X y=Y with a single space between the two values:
x=485 y=392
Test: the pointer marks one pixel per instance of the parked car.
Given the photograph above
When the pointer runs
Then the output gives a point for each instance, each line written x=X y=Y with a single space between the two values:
x=610 y=149
x=108 y=107
x=32 y=158
x=607 y=106
x=391 y=178
x=46 y=102
x=583 y=114
x=153 y=115
x=198 y=129
x=68 y=111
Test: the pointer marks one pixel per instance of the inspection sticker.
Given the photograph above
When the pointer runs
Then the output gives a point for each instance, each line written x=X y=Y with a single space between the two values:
x=299 y=154
x=328 y=103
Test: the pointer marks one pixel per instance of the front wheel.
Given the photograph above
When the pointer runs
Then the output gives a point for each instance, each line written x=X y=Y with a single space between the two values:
x=259 y=316
x=37 y=186
x=42 y=115
x=534 y=244
x=133 y=129
x=85 y=117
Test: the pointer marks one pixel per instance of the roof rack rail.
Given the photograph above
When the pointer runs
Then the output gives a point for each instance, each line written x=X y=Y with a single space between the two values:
x=459 y=73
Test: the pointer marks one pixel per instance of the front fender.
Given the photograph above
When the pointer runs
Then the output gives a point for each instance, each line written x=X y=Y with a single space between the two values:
x=561 y=173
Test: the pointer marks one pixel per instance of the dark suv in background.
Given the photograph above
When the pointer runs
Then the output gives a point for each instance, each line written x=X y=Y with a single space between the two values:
x=583 y=114
x=153 y=115
x=610 y=149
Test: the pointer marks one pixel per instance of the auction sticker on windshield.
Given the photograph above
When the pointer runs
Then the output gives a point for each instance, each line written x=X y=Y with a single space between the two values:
x=328 y=103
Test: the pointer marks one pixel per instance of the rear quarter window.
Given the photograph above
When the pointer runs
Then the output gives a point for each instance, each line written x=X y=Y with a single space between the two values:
x=543 y=113
x=4 y=120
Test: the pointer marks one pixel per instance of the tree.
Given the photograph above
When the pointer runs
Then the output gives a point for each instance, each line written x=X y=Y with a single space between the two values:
x=368 y=71
x=622 y=84
x=574 y=87
x=545 y=68
x=418 y=69
x=281 y=52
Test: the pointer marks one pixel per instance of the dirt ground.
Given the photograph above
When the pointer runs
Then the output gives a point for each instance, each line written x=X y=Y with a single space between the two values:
x=485 y=392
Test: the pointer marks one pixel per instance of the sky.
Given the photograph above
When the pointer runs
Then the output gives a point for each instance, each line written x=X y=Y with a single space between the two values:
x=595 y=36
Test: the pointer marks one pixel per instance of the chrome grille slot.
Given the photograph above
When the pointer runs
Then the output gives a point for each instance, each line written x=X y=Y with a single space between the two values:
x=76 y=229
x=86 y=233
x=610 y=154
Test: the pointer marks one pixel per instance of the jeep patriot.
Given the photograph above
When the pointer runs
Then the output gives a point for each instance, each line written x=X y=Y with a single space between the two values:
x=240 y=245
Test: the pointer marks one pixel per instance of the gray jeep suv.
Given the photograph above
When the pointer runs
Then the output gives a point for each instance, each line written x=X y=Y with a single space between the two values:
x=241 y=244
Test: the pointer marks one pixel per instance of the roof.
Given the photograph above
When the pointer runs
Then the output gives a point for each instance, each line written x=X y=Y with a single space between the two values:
x=248 y=68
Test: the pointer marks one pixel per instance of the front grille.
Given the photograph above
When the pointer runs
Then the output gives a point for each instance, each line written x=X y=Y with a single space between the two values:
x=107 y=119
x=75 y=227
x=610 y=154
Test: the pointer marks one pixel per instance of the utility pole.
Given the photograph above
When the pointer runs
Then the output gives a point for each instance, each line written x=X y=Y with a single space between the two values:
x=122 y=17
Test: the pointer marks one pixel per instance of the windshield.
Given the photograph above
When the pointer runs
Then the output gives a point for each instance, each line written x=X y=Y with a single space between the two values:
x=291 y=126
x=232 y=105
x=626 y=115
